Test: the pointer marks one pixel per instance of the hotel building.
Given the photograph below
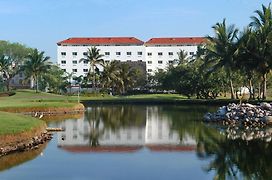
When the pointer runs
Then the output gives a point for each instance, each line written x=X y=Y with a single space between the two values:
x=157 y=53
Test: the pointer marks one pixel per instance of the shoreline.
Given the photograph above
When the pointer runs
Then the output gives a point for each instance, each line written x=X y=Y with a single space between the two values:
x=31 y=139
x=161 y=101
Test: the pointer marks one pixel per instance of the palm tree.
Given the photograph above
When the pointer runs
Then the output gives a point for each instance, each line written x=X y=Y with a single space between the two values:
x=182 y=57
x=220 y=50
x=35 y=65
x=246 y=60
x=110 y=75
x=262 y=24
x=94 y=58
x=127 y=75
x=5 y=69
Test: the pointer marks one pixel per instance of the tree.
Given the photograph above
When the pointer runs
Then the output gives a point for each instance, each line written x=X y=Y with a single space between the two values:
x=182 y=57
x=110 y=75
x=245 y=59
x=262 y=24
x=54 y=80
x=12 y=56
x=220 y=50
x=94 y=58
x=6 y=69
x=36 y=65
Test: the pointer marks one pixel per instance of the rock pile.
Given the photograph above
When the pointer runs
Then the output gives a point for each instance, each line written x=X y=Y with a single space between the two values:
x=248 y=134
x=242 y=114
x=26 y=145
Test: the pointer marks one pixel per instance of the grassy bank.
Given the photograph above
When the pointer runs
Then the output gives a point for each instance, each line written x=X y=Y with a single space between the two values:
x=28 y=100
x=11 y=124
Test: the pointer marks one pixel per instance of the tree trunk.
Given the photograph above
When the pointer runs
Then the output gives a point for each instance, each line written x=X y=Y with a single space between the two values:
x=251 y=95
x=7 y=84
x=231 y=89
x=259 y=91
x=264 y=86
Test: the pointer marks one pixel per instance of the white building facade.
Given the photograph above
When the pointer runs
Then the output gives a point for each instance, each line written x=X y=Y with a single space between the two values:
x=157 y=53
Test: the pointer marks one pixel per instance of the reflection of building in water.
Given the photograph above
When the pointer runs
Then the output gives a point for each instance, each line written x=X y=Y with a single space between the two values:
x=155 y=133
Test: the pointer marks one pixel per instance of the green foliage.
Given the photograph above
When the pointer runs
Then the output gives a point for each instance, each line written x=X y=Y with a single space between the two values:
x=36 y=65
x=95 y=59
x=121 y=77
x=12 y=56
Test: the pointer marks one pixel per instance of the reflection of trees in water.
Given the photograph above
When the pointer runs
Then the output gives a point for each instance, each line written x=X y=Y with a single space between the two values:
x=186 y=120
x=15 y=159
x=101 y=118
x=230 y=159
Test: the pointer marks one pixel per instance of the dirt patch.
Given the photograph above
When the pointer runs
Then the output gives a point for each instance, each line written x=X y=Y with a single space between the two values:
x=10 y=140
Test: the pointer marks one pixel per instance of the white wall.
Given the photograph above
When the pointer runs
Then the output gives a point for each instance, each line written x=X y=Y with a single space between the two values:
x=111 y=49
x=150 y=67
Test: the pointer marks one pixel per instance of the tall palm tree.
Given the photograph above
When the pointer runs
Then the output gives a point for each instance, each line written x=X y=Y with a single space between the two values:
x=5 y=69
x=262 y=24
x=95 y=59
x=35 y=65
x=110 y=75
x=127 y=75
x=221 y=49
x=246 y=60
x=182 y=57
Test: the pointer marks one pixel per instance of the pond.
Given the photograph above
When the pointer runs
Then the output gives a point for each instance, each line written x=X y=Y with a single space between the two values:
x=143 y=142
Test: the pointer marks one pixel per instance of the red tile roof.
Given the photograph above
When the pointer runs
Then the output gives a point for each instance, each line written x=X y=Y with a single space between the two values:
x=168 y=148
x=176 y=40
x=102 y=41
x=86 y=149
x=127 y=149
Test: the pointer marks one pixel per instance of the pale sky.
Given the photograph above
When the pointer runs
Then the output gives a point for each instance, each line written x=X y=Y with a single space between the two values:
x=42 y=23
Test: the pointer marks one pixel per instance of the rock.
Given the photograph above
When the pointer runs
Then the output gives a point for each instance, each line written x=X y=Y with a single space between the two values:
x=222 y=111
x=249 y=105
x=267 y=119
x=266 y=106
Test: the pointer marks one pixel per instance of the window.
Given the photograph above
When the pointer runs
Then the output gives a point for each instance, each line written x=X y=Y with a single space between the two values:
x=63 y=53
x=64 y=70
x=107 y=61
x=159 y=53
x=74 y=62
x=128 y=60
x=149 y=54
x=85 y=61
x=170 y=62
x=129 y=53
x=160 y=62
x=118 y=53
x=85 y=70
x=170 y=53
x=20 y=75
x=149 y=62
x=140 y=53
x=85 y=53
x=192 y=53
x=149 y=70
x=74 y=70
x=63 y=62
x=74 y=53
x=107 y=53
x=140 y=60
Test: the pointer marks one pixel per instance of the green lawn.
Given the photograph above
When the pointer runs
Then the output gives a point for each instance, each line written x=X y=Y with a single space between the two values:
x=13 y=123
x=28 y=99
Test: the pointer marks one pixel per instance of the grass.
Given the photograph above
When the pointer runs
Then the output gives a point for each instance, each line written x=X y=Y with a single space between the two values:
x=28 y=99
x=11 y=124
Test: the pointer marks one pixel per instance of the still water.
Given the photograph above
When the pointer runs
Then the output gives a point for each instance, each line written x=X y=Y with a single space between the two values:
x=143 y=142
